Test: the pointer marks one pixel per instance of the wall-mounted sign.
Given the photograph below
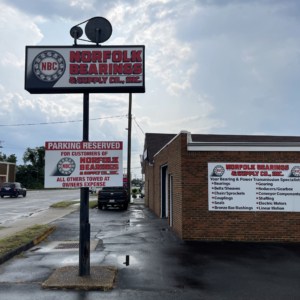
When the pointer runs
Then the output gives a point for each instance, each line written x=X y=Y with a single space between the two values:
x=265 y=187
x=83 y=164
x=79 y=69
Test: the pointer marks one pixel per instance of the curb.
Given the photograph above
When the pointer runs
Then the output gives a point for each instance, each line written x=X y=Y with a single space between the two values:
x=43 y=236
x=101 y=278
x=27 y=246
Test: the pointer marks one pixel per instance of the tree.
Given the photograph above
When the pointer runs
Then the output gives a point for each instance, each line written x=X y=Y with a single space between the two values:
x=35 y=156
x=137 y=182
x=11 y=158
x=28 y=176
x=32 y=174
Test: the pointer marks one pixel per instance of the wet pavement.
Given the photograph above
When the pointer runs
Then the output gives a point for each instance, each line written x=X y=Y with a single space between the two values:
x=160 y=265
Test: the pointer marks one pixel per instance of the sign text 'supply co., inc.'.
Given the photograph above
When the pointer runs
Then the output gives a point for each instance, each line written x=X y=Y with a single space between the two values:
x=83 y=164
x=263 y=187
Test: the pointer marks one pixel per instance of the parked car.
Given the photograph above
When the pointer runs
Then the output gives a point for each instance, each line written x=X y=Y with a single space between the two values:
x=12 y=189
x=92 y=190
x=114 y=196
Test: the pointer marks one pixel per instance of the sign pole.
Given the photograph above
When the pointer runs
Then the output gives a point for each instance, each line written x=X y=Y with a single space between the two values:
x=85 y=230
x=129 y=149
x=46 y=71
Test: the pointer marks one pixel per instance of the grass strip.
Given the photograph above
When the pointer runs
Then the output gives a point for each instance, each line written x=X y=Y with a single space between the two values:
x=23 y=240
x=93 y=203
x=65 y=204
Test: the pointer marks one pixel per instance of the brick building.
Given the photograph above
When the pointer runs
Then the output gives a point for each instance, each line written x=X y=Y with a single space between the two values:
x=225 y=187
x=7 y=172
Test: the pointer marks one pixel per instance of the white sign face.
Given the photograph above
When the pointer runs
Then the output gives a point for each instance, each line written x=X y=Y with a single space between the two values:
x=60 y=69
x=83 y=164
x=263 y=187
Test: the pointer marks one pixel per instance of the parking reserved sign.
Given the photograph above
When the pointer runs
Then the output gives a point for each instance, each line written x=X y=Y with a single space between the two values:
x=83 y=164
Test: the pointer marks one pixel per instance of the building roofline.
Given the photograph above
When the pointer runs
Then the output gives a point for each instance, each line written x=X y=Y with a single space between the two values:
x=244 y=145
x=167 y=144
x=237 y=143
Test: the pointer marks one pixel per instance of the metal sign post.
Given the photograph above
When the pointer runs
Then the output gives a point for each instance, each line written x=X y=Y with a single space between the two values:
x=85 y=228
x=129 y=149
x=84 y=69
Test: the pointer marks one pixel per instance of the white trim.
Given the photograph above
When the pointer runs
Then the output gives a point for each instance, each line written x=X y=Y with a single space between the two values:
x=7 y=163
x=261 y=147
x=166 y=145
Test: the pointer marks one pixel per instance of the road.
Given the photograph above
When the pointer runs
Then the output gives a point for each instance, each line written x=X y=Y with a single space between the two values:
x=15 y=209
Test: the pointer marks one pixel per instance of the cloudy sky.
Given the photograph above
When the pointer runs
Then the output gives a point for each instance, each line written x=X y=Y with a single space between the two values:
x=212 y=66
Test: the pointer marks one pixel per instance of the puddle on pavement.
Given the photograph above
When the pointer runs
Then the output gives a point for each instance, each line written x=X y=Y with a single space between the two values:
x=70 y=260
x=137 y=214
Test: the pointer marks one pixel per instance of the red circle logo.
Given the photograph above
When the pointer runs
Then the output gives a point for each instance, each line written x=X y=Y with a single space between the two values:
x=49 y=66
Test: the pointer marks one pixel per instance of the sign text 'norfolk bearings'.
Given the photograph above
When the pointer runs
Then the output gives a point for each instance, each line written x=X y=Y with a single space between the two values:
x=83 y=164
x=60 y=69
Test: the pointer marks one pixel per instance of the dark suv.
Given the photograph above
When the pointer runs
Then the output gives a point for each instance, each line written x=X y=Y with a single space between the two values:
x=12 y=189
x=114 y=196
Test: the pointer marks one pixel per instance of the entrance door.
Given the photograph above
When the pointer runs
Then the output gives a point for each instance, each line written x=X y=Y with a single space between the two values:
x=164 y=191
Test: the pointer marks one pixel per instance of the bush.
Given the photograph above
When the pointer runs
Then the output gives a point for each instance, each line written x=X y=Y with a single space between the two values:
x=134 y=193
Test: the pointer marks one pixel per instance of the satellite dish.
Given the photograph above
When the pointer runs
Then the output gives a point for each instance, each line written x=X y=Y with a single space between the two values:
x=76 y=32
x=98 y=30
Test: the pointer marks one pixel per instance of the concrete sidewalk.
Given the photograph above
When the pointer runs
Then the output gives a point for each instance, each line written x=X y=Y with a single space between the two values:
x=40 y=218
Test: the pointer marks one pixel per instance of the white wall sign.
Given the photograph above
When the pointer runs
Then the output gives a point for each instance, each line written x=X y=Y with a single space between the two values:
x=264 y=187
x=83 y=164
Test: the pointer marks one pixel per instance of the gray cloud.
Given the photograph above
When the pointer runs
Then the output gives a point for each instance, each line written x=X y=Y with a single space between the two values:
x=211 y=67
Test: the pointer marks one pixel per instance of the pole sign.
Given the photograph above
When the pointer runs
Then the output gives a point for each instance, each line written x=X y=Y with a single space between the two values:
x=80 y=69
x=83 y=164
x=265 y=187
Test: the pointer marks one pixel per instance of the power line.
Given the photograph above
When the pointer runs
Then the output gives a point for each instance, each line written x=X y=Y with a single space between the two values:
x=138 y=126
x=60 y=122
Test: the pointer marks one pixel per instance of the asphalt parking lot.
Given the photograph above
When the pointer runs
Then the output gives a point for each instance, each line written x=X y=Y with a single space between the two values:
x=160 y=265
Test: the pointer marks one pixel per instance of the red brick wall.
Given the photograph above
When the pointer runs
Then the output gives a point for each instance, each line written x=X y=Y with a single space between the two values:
x=173 y=159
x=12 y=172
x=201 y=224
x=7 y=169
x=148 y=185
x=152 y=189
x=170 y=155
x=191 y=218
